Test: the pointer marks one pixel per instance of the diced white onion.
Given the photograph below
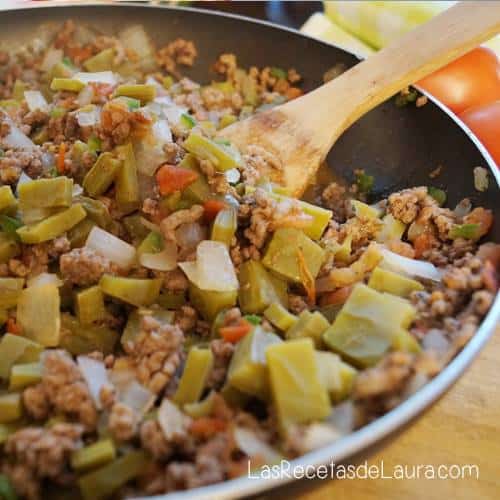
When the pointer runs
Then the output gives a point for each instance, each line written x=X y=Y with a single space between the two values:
x=95 y=374
x=213 y=269
x=481 y=180
x=150 y=225
x=173 y=114
x=15 y=139
x=250 y=444
x=137 y=40
x=137 y=397
x=232 y=175
x=47 y=160
x=88 y=118
x=166 y=260
x=35 y=100
x=172 y=421
x=435 y=340
x=162 y=132
x=188 y=235
x=108 y=245
x=44 y=279
x=98 y=77
x=318 y=435
x=77 y=190
x=52 y=57
x=23 y=179
x=85 y=96
x=409 y=267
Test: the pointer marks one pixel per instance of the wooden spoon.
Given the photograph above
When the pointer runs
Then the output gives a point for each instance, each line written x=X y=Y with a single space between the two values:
x=301 y=132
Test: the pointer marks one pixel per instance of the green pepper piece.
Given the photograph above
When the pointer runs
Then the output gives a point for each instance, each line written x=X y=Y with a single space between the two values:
x=384 y=280
x=17 y=349
x=135 y=291
x=89 y=304
x=63 y=69
x=247 y=370
x=10 y=225
x=280 y=317
x=258 y=288
x=364 y=210
x=53 y=226
x=368 y=325
x=335 y=375
x=248 y=88
x=11 y=408
x=278 y=73
x=171 y=300
x=78 y=234
x=309 y=324
x=135 y=228
x=297 y=393
x=96 y=211
x=94 y=144
x=18 y=90
x=167 y=82
x=203 y=408
x=101 y=175
x=83 y=339
x=466 y=231
x=38 y=314
x=194 y=377
x=66 y=84
x=222 y=157
x=104 y=481
x=227 y=120
x=10 y=289
x=143 y=92
x=94 y=455
x=57 y=112
x=364 y=182
x=102 y=61
x=199 y=190
x=152 y=243
x=25 y=374
x=7 y=491
x=224 y=226
x=9 y=248
x=8 y=201
x=209 y=302
x=438 y=194
x=282 y=255
x=41 y=136
x=46 y=193
x=187 y=121
x=227 y=86
x=126 y=183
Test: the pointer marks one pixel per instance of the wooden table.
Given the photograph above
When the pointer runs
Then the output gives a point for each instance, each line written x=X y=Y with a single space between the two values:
x=462 y=428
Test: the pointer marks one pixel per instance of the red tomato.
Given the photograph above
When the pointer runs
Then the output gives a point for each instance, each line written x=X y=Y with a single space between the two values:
x=484 y=121
x=471 y=80
x=172 y=178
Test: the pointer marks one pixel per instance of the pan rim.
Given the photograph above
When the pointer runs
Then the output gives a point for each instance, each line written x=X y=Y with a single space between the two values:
x=367 y=436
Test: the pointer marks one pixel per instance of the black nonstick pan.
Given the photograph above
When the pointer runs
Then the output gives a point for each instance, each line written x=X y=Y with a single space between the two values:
x=398 y=146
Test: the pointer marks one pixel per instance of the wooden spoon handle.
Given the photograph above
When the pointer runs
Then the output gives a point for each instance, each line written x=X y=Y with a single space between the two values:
x=330 y=109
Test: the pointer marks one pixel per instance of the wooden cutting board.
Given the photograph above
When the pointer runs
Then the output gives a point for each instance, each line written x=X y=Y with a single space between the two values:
x=463 y=427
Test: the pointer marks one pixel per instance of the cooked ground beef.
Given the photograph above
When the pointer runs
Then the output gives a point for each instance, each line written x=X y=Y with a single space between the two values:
x=83 y=266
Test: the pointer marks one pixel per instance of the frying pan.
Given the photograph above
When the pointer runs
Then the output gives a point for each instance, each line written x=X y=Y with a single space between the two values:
x=398 y=146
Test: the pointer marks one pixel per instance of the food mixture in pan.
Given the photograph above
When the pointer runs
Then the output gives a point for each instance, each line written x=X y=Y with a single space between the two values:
x=170 y=316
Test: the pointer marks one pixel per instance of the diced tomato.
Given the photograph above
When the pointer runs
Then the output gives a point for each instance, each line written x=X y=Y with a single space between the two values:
x=235 y=333
x=13 y=327
x=207 y=426
x=480 y=216
x=484 y=121
x=471 y=80
x=61 y=156
x=172 y=178
x=422 y=243
x=212 y=207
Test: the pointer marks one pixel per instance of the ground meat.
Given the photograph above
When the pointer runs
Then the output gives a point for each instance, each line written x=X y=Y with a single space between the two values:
x=64 y=389
x=153 y=440
x=385 y=377
x=14 y=162
x=226 y=65
x=35 y=453
x=174 y=281
x=222 y=352
x=173 y=221
x=405 y=205
x=361 y=230
x=186 y=317
x=259 y=161
x=179 y=51
x=123 y=422
x=268 y=214
x=83 y=266
x=156 y=353
x=174 y=153
x=118 y=124
x=334 y=198
x=297 y=303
